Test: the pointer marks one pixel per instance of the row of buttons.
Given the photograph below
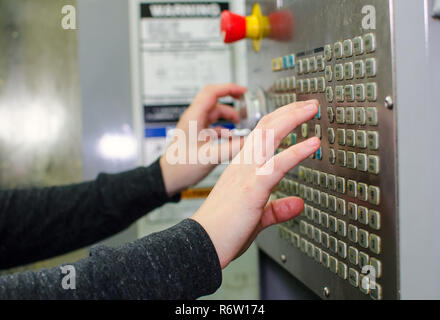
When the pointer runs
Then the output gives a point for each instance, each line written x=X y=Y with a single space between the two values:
x=284 y=99
x=350 y=70
x=338 y=267
x=313 y=85
x=352 y=160
x=359 y=213
x=357 y=46
x=354 y=138
x=283 y=63
x=351 y=115
x=354 y=189
x=355 y=235
x=285 y=84
x=311 y=65
x=352 y=93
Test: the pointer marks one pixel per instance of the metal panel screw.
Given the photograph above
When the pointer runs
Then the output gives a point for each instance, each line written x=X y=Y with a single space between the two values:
x=326 y=292
x=283 y=258
x=389 y=102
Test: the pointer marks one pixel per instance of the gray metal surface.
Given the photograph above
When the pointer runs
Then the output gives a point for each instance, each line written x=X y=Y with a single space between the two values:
x=105 y=82
x=319 y=23
x=418 y=98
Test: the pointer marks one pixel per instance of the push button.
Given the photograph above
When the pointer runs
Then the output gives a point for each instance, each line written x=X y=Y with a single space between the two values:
x=353 y=277
x=363 y=215
x=351 y=160
x=299 y=86
x=349 y=116
x=348 y=48
x=374 y=219
x=330 y=115
x=338 y=50
x=332 y=156
x=373 y=140
x=351 y=138
x=320 y=64
x=328 y=52
x=371 y=89
x=339 y=93
x=352 y=233
x=359 y=69
x=348 y=71
x=370 y=67
x=375 y=244
x=342 y=157
x=339 y=72
x=329 y=94
x=360 y=92
x=374 y=195
x=353 y=255
x=340 y=115
x=352 y=211
x=331 y=135
x=362 y=191
x=370 y=43
x=328 y=73
x=360 y=116
x=372 y=118
x=358 y=46
x=373 y=164
x=349 y=93
x=342 y=270
x=341 y=137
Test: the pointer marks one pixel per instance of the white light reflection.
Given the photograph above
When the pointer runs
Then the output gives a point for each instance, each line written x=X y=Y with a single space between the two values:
x=116 y=146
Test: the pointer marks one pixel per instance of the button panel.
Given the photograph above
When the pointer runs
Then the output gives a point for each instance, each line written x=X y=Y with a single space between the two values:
x=342 y=224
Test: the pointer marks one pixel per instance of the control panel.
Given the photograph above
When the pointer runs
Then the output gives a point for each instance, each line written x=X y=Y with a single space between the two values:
x=344 y=244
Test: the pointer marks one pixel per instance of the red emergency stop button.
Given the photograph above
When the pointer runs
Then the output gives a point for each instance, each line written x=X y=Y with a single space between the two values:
x=233 y=27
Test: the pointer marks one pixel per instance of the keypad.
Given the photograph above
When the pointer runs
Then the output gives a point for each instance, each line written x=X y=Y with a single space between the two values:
x=341 y=225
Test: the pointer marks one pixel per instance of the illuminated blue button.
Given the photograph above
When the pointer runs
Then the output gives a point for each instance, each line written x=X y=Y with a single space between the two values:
x=319 y=154
x=291 y=61
x=318 y=115
x=285 y=62
x=294 y=138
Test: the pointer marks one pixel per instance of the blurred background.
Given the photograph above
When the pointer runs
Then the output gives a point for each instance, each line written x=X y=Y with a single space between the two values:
x=78 y=97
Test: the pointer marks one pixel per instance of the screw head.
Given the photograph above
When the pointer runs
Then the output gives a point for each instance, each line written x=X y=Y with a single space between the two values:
x=283 y=258
x=389 y=102
x=326 y=292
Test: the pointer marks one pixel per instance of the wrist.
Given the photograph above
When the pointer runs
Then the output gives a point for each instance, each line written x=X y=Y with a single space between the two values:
x=168 y=176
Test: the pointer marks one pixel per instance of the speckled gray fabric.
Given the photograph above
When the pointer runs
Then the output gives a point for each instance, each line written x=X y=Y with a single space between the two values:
x=37 y=224
x=178 y=263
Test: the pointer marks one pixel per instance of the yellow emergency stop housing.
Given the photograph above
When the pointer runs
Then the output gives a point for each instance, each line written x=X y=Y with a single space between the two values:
x=257 y=27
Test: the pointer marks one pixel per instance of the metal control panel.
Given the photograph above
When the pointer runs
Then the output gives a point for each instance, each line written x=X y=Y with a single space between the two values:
x=347 y=235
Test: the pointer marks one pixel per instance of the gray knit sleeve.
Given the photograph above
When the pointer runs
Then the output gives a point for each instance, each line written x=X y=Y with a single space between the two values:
x=177 y=263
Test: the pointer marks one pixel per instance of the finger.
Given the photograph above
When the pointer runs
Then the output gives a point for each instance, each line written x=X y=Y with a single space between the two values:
x=208 y=97
x=275 y=212
x=285 y=121
x=283 y=162
x=223 y=111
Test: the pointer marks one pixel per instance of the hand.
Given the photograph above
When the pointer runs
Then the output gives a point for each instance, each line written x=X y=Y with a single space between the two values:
x=237 y=209
x=205 y=110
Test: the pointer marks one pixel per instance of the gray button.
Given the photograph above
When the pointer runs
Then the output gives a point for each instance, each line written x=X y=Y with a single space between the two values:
x=333 y=265
x=358 y=46
x=361 y=139
x=310 y=249
x=352 y=211
x=328 y=73
x=349 y=115
x=324 y=200
x=341 y=136
x=353 y=277
x=304 y=130
x=333 y=244
x=352 y=188
x=303 y=227
x=339 y=72
x=363 y=236
x=329 y=94
x=332 y=203
x=332 y=156
x=317 y=254
x=363 y=215
x=299 y=86
x=332 y=224
x=325 y=259
x=340 y=206
x=306 y=85
x=374 y=195
x=370 y=67
x=348 y=71
x=310 y=231
x=349 y=93
x=374 y=219
x=321 y=84
x=375 y=244
x=352 y=233
x=340 y=115
x=328 y=52
x=314 y=85
x=351 y=160
x=371 y=89
x=312 y=64
x=342 y=228
x=324 y=219
x=370 y=43
x=320 y=64
x=338 y=50
x=372 y=117
x=342 y=158
x=317 y=235
x=364 y=259
x=303 y=245
x=359 y=69
x=332 y=182
x=360 y=116
x=373 y=140
x=362 y=162
x=377 y=265
x=330 y=115
x=318 y=131
x=305 y=65
x=373 y=164
x=348 y=48
x=323 y=179
x=316 y=197
x=362 y=191
x=376 y=293
x=360 y=92
x=300 y=69
x=353 y=255
x=342 y=249
x=351 y=138
x=339 y=93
